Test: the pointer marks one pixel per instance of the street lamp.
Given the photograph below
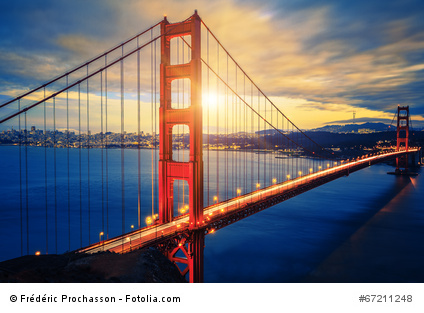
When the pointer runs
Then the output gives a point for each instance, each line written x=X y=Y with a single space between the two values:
x=238 y=194
x=274 y=180
x=215 y=199
x=100 y=236
x=129 y=239
x=258 y=185
x=148 y=220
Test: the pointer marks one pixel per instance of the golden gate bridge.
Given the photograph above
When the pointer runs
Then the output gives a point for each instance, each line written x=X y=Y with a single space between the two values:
x=212 y=149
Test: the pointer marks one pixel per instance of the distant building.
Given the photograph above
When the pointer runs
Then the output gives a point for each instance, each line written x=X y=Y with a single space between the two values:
x=366 y=131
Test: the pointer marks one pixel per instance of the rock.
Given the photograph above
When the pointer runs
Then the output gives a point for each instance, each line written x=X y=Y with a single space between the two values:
x=139 y=266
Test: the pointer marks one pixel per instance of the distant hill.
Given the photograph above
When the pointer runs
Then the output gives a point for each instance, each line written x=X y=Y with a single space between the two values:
x=269 y=131
x=356 y=128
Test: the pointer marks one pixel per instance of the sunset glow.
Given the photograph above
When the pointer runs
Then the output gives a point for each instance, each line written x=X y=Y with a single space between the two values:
x=318 y=63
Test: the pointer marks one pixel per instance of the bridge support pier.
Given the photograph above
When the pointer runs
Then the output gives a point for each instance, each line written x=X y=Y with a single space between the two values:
x=190 y=260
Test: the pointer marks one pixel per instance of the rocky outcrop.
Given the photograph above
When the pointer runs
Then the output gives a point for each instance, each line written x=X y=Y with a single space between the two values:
x=139 y=266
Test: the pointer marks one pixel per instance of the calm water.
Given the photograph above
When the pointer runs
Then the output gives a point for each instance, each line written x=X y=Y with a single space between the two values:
x=368 y=227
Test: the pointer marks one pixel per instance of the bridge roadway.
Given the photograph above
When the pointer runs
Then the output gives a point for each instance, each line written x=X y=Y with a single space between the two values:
x=225 y=213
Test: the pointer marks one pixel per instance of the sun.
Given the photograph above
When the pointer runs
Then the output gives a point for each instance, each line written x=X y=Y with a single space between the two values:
x=212 y=100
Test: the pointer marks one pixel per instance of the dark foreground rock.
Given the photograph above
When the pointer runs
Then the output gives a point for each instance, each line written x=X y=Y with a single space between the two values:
x=140 y=266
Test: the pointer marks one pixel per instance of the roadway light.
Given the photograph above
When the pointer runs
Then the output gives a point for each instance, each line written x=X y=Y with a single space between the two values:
x=300 y=173
x=274 y=180
x=258 y=185
x=148 y=220
x=288 y=176
x=129 y=239
x=100 y=235
x=310 y=170
x=319 y=167
x=132 y=227
x=238 y=191
x=37 y=253
x=215 y=199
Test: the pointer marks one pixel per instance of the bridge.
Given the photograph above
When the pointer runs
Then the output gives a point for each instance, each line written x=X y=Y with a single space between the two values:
x=198 y=144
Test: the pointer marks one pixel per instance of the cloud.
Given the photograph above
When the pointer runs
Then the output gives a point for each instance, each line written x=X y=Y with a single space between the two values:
x=336 y=56
x=80 y=45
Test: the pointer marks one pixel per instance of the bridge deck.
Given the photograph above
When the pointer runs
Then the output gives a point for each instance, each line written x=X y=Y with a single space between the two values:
x=223 y=214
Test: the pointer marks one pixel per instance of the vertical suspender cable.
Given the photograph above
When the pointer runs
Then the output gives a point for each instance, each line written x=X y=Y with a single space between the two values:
x=80 y=169
x=122 y=144
x=178 y=126
x=67 y=153
x=271 y=155
x=138 y=136
x=244 y=134
x=45 y=173
x=217 y=125
x=20 y=180
x=265 y=146
x=226 y=134
x=107 y=156
x=183 y=105
x=152 y=136
x=102 y=151
x=26 y=182
x=274 y=149
x=55 y=172
x=208 y=102
x=259 y=132
x=236 y=170
x=88 y=161
x=155 y=79
x=252 y=130
x=233 y=160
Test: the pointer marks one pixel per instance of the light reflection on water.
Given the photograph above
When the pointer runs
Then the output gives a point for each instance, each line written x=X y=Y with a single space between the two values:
x=364 y=228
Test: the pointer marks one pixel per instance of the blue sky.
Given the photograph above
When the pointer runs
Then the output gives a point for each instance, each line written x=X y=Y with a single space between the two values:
x=317 y=60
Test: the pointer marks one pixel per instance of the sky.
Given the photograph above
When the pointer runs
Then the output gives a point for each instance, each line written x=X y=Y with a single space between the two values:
x=318 y=61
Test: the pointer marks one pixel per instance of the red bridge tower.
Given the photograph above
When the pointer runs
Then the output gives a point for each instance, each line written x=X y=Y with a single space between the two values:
x=192 y=244
x=402 y=137
x=169 y=170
